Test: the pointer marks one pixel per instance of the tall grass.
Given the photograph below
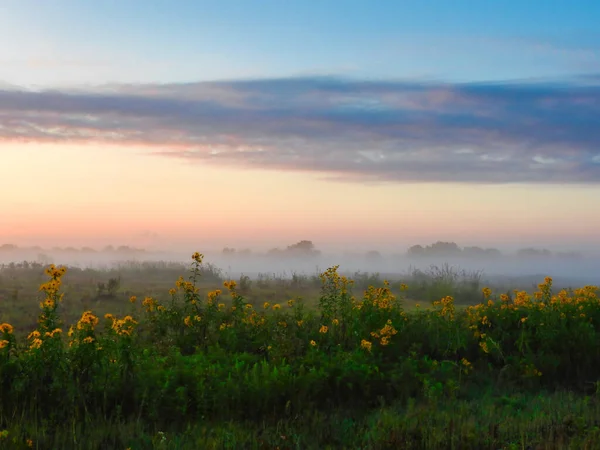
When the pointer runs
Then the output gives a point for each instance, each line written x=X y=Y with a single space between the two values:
x=204 y=370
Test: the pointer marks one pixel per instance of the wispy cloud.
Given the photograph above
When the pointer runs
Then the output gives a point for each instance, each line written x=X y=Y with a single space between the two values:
x=355 y=130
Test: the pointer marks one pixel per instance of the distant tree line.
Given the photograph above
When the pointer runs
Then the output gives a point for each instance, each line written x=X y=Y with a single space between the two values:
x=302 y=248
x=451 y=249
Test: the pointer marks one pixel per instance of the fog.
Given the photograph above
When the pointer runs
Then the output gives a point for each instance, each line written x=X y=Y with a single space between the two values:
x=565 y=268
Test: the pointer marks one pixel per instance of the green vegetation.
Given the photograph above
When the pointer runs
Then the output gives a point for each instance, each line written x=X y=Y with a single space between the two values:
x=208 y=365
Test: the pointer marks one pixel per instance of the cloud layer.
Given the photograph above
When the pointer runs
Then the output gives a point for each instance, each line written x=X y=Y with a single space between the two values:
x=355 y=130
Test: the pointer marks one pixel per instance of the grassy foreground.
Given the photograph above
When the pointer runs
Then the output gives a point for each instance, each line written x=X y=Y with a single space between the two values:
x=358 y=371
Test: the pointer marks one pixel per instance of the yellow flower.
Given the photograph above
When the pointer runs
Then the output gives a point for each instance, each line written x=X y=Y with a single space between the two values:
x=300 y=322
x=29 y=443
x=172 y=291
x=132 y=299
x=6 y=328
x=221 y=305
x=366 y=344
x=313 y=343
x=36 y=343
x=4 y=343
x=88 y=320
x=276 y=306
x=109 y=317
x=34 y=334
x=266 y=305
x=335 y=322
x=231 y=284
x=222 y=326
x=487 y=292
x=323 y=329
x=290 y=302
x=88 y=340
x=187 y=321
x=198 y=257
x=403 y=287
x=248 y=306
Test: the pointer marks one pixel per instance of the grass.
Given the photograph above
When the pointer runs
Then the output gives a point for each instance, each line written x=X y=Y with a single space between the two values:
x=328 y=361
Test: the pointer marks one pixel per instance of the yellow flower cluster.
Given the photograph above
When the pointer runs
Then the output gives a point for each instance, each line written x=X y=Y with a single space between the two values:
x=187 y=286
x=381 y=298
x=332 y=278
x=52 y=287
x=225 y=325
x=213 y=295
x=189 y=320
x=35 y=338
x=150 y=304
x=6 y=328
x=254 y=319
x=198 y=257
x=447 y=307
x=124 y=326
x=384 y=335
x=367 y=345
x=87 y=322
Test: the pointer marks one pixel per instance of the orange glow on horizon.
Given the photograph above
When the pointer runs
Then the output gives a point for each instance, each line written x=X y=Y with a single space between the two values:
x=71 y=193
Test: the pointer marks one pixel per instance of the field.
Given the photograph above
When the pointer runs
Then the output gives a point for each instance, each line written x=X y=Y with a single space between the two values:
x=163 y=356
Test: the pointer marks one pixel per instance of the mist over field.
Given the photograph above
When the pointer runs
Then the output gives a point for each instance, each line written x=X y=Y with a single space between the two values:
x=565 y=267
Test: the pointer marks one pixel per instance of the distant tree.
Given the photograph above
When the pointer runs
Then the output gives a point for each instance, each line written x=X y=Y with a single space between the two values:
x=228 y=251
x=87 y=250
x=8 y=247
x=416 y=250
x=304 y=248
x=473 y=251
x=373 y=255
x=444 y=249
x=493 y=252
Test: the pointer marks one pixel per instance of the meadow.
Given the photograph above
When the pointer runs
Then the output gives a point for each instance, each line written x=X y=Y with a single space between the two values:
x=163 y=356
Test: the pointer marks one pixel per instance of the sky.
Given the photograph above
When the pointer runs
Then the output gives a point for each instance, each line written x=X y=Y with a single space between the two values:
x=371 y=125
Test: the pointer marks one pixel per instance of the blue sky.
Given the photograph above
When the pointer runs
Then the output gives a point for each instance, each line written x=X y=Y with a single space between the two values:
x=76 y=42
